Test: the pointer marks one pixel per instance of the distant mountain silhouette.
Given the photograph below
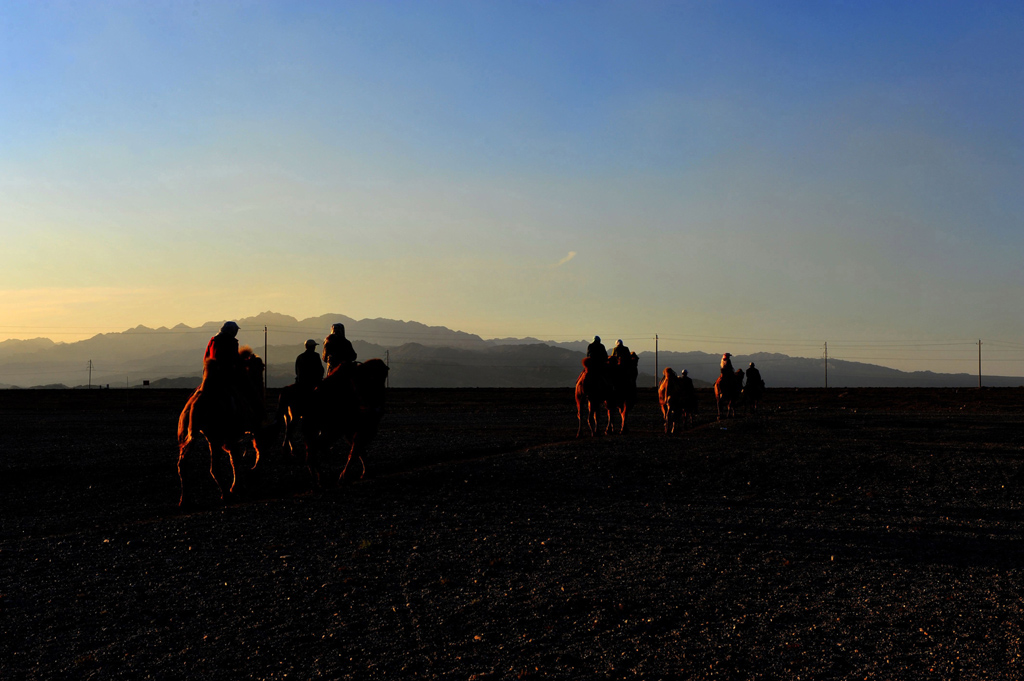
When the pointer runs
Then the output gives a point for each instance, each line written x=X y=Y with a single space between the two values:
x=419 y=355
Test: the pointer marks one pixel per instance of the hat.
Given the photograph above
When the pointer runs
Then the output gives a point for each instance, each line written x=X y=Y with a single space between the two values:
x=337 y=328
x=597 y=339
x=228 y=326
x=311 y=343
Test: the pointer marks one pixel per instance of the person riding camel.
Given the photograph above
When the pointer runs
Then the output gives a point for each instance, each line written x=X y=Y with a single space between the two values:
x=309 y=373
x=337 y=349
x=596 y=351
x=727 y=365
x=222 y=366
x=309 y=370
x=224 y=375
x=686 y=381
x=754 y=378
x=620 y=351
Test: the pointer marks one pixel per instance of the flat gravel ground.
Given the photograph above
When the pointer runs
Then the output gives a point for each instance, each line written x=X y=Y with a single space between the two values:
x=860 y=534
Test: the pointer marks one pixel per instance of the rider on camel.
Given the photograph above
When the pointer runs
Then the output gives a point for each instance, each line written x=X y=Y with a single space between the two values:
x=620 y=351
x=309 y=370
x=754 y=378
x=337 y=349
x=686 y=381
x=309 y=373
x=727 y=365
x=222 y=366
x=596 y=350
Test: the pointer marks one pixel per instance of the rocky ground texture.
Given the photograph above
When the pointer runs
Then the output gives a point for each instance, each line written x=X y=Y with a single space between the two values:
x=861 y=534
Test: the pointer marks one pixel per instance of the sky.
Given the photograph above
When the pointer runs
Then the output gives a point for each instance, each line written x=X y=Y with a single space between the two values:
x=731 y=176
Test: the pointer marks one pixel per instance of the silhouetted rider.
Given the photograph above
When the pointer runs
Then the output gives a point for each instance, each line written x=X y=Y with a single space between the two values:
x=726 y=365
x=225 y=367
x=754 y=381
x=337 y=348
x=596 y=350
x=620 y=351
x=309 y=370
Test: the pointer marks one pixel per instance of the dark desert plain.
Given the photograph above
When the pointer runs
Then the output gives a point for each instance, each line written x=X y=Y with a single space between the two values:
x=835 y=534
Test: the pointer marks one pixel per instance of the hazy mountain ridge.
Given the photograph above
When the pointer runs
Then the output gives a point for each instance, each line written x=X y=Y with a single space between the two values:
x=419 y=355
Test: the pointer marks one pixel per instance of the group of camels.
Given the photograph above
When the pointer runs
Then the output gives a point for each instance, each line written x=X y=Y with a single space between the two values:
x=612 y=385
x=347 y=404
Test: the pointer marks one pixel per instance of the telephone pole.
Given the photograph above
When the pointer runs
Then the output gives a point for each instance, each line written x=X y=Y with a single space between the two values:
x=266 y=364
x=90 y=374
x=387 y=363
x=655 y=360
x=826 y=364
x=979 y=363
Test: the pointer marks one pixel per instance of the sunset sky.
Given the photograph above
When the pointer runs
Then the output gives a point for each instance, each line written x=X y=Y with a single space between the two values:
x=737 y=176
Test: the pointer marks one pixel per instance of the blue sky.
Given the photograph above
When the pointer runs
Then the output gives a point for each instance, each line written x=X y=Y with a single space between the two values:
x=730 y=175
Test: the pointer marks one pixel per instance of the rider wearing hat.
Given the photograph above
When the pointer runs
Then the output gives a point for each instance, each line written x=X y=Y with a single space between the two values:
x=309 y=370
x=221 y=362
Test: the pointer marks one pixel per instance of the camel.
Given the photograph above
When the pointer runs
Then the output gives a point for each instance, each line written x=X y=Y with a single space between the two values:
x=612 y=385
x=728 y=387
x=227 y=421
x=754 y=388
x=667 y=390
x=292 y=404
x=592 y=391
x=678 y=400
x=348 y=404
x=624 y=372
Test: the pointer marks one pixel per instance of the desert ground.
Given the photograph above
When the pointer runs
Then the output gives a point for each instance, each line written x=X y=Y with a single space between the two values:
x=834 y=534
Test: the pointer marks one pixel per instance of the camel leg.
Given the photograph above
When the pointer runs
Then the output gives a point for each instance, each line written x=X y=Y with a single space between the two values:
x=181 y=478
x=288 y=418
x=231 y=460
x=355 y=452
x=209 y=449
x=251 y=440
x=579 y=418
x=313 y=465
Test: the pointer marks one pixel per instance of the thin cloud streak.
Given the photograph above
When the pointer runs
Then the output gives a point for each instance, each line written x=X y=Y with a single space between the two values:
x=572 y=254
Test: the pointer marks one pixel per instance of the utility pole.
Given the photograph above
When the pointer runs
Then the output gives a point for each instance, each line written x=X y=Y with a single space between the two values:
x=387 y=363
x=979 y=363
x=655 y=360
x=266 y=364
x=826 y=364
x=90 y=374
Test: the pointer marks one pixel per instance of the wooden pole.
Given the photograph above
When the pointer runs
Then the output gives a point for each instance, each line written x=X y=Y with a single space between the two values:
x=655 y=360
x=266 y=365
x=979 y=363
x=826 y=364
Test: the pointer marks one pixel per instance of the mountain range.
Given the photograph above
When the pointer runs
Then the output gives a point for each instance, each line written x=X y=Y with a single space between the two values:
x=419 y=356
